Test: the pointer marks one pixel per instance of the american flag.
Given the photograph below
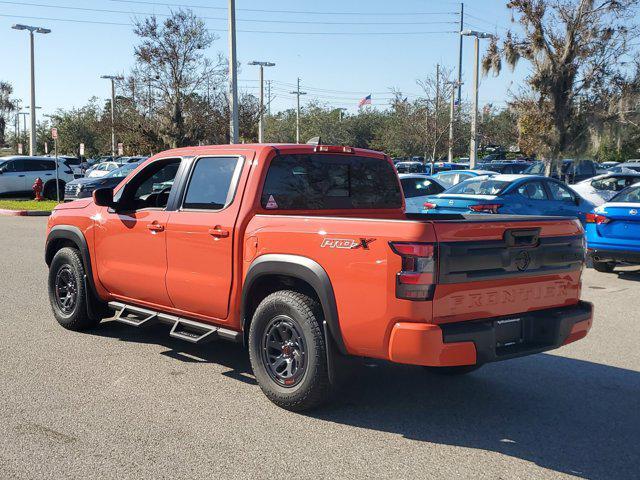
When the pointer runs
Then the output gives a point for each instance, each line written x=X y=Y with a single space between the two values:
x=365 y=101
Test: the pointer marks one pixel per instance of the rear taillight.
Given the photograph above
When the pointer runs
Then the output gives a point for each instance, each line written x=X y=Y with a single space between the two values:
x=595 y=218
x=416 y=279
x=486 y=207
x=333 y=149
x=429 y=205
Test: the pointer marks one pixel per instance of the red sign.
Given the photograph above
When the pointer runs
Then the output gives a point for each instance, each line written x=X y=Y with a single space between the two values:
x=54 y=133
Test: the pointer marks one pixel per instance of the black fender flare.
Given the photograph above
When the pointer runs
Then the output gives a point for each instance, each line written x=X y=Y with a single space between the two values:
x=307 y=270
x=73 y=234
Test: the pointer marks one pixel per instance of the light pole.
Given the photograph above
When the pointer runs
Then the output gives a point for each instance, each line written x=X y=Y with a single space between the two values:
x=452 y=111
x=298 y=93
x=233 y=80
x=261 y=111
x=32 y=30
x=473 y=149
x=113 y=79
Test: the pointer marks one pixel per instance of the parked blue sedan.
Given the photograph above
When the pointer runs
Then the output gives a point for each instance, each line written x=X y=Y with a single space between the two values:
x=511 y=194
x=613 y=231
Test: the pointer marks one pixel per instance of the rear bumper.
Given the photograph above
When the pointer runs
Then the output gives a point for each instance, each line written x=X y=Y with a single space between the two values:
x=604 y=255
x=469 y=343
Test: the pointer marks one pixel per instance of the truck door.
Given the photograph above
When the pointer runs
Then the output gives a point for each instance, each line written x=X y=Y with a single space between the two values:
x=200 y=236
x=130 y=243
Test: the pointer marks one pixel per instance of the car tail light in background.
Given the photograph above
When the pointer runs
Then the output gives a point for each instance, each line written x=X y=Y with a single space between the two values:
x=486 y=207
x=595 y=218
x=416 y=280
x=429 y=205
x=333 y=149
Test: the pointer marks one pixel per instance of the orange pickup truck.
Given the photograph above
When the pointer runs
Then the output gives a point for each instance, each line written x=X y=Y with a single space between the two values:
x=305 y=254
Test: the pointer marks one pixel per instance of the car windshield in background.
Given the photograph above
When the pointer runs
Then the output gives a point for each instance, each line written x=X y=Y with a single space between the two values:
x=631 y=195
x=479 y=186
x=122 y=171
x=325 y=182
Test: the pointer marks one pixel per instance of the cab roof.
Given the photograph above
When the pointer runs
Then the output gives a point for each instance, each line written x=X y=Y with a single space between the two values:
x=261 y=147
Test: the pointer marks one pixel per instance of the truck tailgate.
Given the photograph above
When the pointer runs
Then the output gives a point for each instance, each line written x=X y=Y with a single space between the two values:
x=502 y=266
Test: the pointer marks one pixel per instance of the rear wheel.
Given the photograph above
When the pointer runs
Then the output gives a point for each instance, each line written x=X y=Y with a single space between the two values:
x=605 y=267
x=453 y=371
x=49 y=191
x=67 y=293
x=288 y=351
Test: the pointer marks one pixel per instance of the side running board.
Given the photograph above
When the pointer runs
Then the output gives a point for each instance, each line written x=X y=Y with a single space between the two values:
x=184 y=329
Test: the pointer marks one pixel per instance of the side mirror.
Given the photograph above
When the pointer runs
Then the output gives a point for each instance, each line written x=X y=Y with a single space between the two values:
x=577 y=200
x=103 y=197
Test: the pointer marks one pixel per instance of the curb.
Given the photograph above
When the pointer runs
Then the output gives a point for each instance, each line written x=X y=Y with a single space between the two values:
x=24 y=213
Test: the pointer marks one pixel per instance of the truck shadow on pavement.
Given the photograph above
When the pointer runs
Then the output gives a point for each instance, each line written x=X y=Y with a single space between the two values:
x=570 y=416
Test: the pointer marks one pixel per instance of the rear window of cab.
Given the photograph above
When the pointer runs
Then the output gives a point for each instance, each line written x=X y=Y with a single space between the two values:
x=330 y=182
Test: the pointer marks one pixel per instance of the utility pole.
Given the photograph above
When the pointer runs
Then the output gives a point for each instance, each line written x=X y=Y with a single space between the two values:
x=24 y=121
x=113 y=79
x=460 y=55
x=269 y=97
x=452 y=112
x=340 y=112
x=261 y=111
x=233 y=80
x=297 y=93
x=435 y=116
x=32 y=30
x=473 y=147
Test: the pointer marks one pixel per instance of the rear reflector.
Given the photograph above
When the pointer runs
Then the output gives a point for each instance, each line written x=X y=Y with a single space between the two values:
x=333 y=149
x=595 y=218
x=486 y=207
x=416 y=280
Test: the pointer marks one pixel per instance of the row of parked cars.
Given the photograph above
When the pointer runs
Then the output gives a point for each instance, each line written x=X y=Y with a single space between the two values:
x=76 y=178
x=607 y=205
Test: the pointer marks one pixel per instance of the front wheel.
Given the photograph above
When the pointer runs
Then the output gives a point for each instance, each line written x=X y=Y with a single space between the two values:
x=67 y=293
x=288 y=351
x=604 y=267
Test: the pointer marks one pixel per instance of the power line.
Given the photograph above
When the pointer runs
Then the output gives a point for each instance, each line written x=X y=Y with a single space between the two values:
x=184 y=5
x=104 y=10
x=52 y=19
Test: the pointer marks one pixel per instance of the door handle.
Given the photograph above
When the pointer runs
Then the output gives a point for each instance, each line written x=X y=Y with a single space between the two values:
x=155 y=227
x=21 y=175
x=218 y=232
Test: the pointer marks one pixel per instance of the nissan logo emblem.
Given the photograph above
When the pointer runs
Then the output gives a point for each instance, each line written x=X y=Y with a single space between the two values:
x=633 y=211
x=522 y=261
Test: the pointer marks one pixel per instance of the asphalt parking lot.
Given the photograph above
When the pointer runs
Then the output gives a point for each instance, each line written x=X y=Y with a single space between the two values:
x=123 y=403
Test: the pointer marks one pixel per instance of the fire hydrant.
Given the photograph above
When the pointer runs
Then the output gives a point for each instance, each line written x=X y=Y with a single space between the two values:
x=37 y=189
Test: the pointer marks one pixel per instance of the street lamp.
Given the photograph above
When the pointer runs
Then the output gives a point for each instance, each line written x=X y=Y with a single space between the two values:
x=113 y=79
x=261 y=115
x=32 y=30
x=473 y=150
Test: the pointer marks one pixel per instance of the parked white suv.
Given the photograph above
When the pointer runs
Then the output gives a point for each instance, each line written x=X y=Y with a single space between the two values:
x=18 y=173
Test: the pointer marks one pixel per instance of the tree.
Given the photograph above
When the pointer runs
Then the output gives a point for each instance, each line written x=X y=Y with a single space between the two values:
x=171 y=59
x=7 y=106
x=573 y=47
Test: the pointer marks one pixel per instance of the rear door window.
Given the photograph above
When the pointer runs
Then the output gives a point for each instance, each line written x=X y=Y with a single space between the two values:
x=326 y=182
x=212 y=183
x=533 y=191
x=560 y=192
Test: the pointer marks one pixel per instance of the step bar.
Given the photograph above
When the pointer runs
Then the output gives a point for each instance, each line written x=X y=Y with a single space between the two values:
x=182 y=328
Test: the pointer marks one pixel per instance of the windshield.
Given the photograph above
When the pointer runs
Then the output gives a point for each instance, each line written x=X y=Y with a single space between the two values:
x=479 y=186
x=630 y=195
x=122 y=171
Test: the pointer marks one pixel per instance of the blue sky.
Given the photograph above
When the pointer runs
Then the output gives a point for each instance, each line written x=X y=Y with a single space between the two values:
x=336 y=69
